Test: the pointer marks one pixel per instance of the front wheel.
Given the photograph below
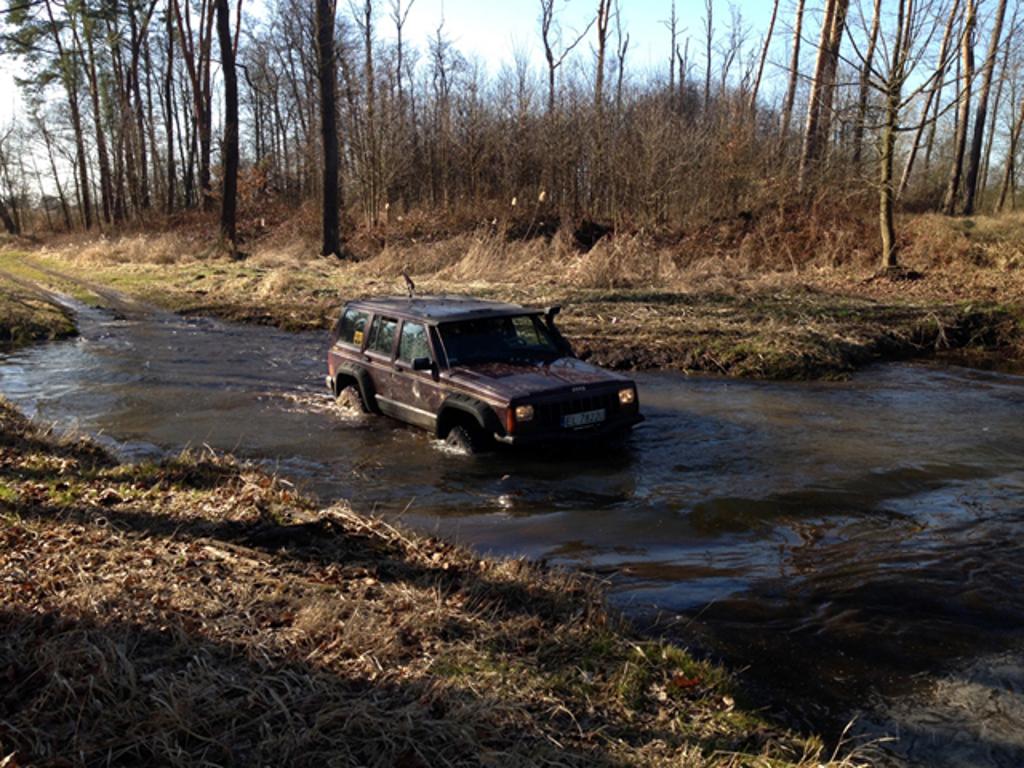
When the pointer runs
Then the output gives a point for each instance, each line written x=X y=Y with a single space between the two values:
x=465 y=439
x=350 y=400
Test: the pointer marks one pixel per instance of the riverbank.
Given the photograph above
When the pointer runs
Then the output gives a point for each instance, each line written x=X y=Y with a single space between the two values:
x=28 y=316
x=200 y=609
x=704 y=304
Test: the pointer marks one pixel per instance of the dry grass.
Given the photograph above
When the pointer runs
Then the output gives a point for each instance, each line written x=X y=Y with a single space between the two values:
x=160 y=249
x=985 y=242
x=198 y=612
x=777 y=296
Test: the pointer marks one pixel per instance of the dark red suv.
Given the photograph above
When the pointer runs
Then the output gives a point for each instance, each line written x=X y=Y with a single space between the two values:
x=473 y=372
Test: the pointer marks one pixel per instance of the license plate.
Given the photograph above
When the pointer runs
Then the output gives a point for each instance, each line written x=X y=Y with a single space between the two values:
x=583 y=419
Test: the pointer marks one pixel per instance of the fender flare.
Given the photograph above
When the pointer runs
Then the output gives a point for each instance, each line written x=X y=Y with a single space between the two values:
x=363 y=381
x=481 y=412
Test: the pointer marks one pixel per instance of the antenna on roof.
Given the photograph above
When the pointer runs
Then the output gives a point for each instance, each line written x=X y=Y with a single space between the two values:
x=410 y=286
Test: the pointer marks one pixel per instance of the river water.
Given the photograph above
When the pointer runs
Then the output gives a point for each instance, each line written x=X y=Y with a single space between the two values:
x=854 y=549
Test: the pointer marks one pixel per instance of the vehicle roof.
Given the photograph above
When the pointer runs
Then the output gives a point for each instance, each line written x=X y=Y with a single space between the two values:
x=441 y=308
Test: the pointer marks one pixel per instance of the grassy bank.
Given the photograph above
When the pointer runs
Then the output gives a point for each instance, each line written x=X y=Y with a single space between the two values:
x=200 y=611
x=26 y=316
x=708 y=303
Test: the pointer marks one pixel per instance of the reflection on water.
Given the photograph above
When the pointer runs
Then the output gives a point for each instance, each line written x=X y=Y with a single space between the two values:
x=857 y=547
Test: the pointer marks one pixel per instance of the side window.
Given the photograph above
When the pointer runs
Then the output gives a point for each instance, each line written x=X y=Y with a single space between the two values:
x=352 y=327
x=413 y=342
x=526 y=330
x=382 y=335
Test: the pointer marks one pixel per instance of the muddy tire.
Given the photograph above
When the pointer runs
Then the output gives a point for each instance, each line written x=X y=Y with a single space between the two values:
x=465 y=439
x=350 y=400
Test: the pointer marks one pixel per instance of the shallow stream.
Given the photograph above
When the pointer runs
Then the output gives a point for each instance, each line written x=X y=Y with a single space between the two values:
x=854 y=549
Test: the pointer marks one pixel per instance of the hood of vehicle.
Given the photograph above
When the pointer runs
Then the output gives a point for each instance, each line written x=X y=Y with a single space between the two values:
x=518 y=380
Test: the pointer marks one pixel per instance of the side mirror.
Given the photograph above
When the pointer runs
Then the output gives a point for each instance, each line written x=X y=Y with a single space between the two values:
x=422 y=364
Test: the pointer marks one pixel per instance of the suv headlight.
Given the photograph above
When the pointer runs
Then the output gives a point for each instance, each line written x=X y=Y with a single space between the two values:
x=627 y=396
x=524 y=412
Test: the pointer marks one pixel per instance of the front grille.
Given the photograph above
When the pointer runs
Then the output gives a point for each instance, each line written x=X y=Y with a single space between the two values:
x=550 y=414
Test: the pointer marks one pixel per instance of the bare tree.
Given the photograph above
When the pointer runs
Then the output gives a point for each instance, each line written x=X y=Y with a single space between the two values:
x=549 y=34
x=963 y=110
x=326 y=75
x=908 y=39
x=934 y=96
x=621 y=48
x=977 y=140
x=68 y=65
x=1010 y=166
x=196 y=55
x=764 y=56
x=862 y=99
x=819 y=106
x=603 y=18
x=673 y=32
x=229 y=151
x=794 y=72
x=709 y=39
x=169 y=111
x=990 y=133
x=8 y=191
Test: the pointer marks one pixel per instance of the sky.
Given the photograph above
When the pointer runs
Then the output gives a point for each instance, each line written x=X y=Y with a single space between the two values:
x=493 y=31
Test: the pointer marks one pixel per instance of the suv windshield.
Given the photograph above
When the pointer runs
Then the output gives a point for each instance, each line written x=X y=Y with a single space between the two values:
x=522 y=338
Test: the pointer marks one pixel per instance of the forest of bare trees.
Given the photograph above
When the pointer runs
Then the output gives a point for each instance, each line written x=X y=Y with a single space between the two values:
x=139 y=110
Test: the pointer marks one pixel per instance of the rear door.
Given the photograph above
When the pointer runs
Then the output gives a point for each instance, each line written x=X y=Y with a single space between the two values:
x=379 y=356
x=349 y=335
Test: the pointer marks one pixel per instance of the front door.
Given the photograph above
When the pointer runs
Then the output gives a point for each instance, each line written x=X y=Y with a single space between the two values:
x=415 y=392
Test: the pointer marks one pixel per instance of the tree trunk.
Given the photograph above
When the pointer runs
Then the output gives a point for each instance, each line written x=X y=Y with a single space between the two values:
x=1011 y=156
x=934 y=95
x=106 y=183
x=124 y=152
x=229 y=196
x=372 y=161
x=603 y=17
x=794 y=73
x=900 y=48
x=709 y=33
x=48 y=141
x=156 y=172
x=169 y=114
x=764 y=55
x=198 y=65
x=138 y=37
x=980 y=117
x=886 y=198
x=9 y=221
x=69 y=78
x=325 y=10
x=963 y=112
x=865 y=77
x=819 y=107
x=986 y=157
x=673 y=34
x=599 y=187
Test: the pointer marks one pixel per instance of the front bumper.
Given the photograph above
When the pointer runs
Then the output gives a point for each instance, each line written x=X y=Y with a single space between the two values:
x=603 y=431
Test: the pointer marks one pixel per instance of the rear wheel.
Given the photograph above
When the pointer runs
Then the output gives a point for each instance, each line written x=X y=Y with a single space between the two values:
x=350 y=400
x=465 y=439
